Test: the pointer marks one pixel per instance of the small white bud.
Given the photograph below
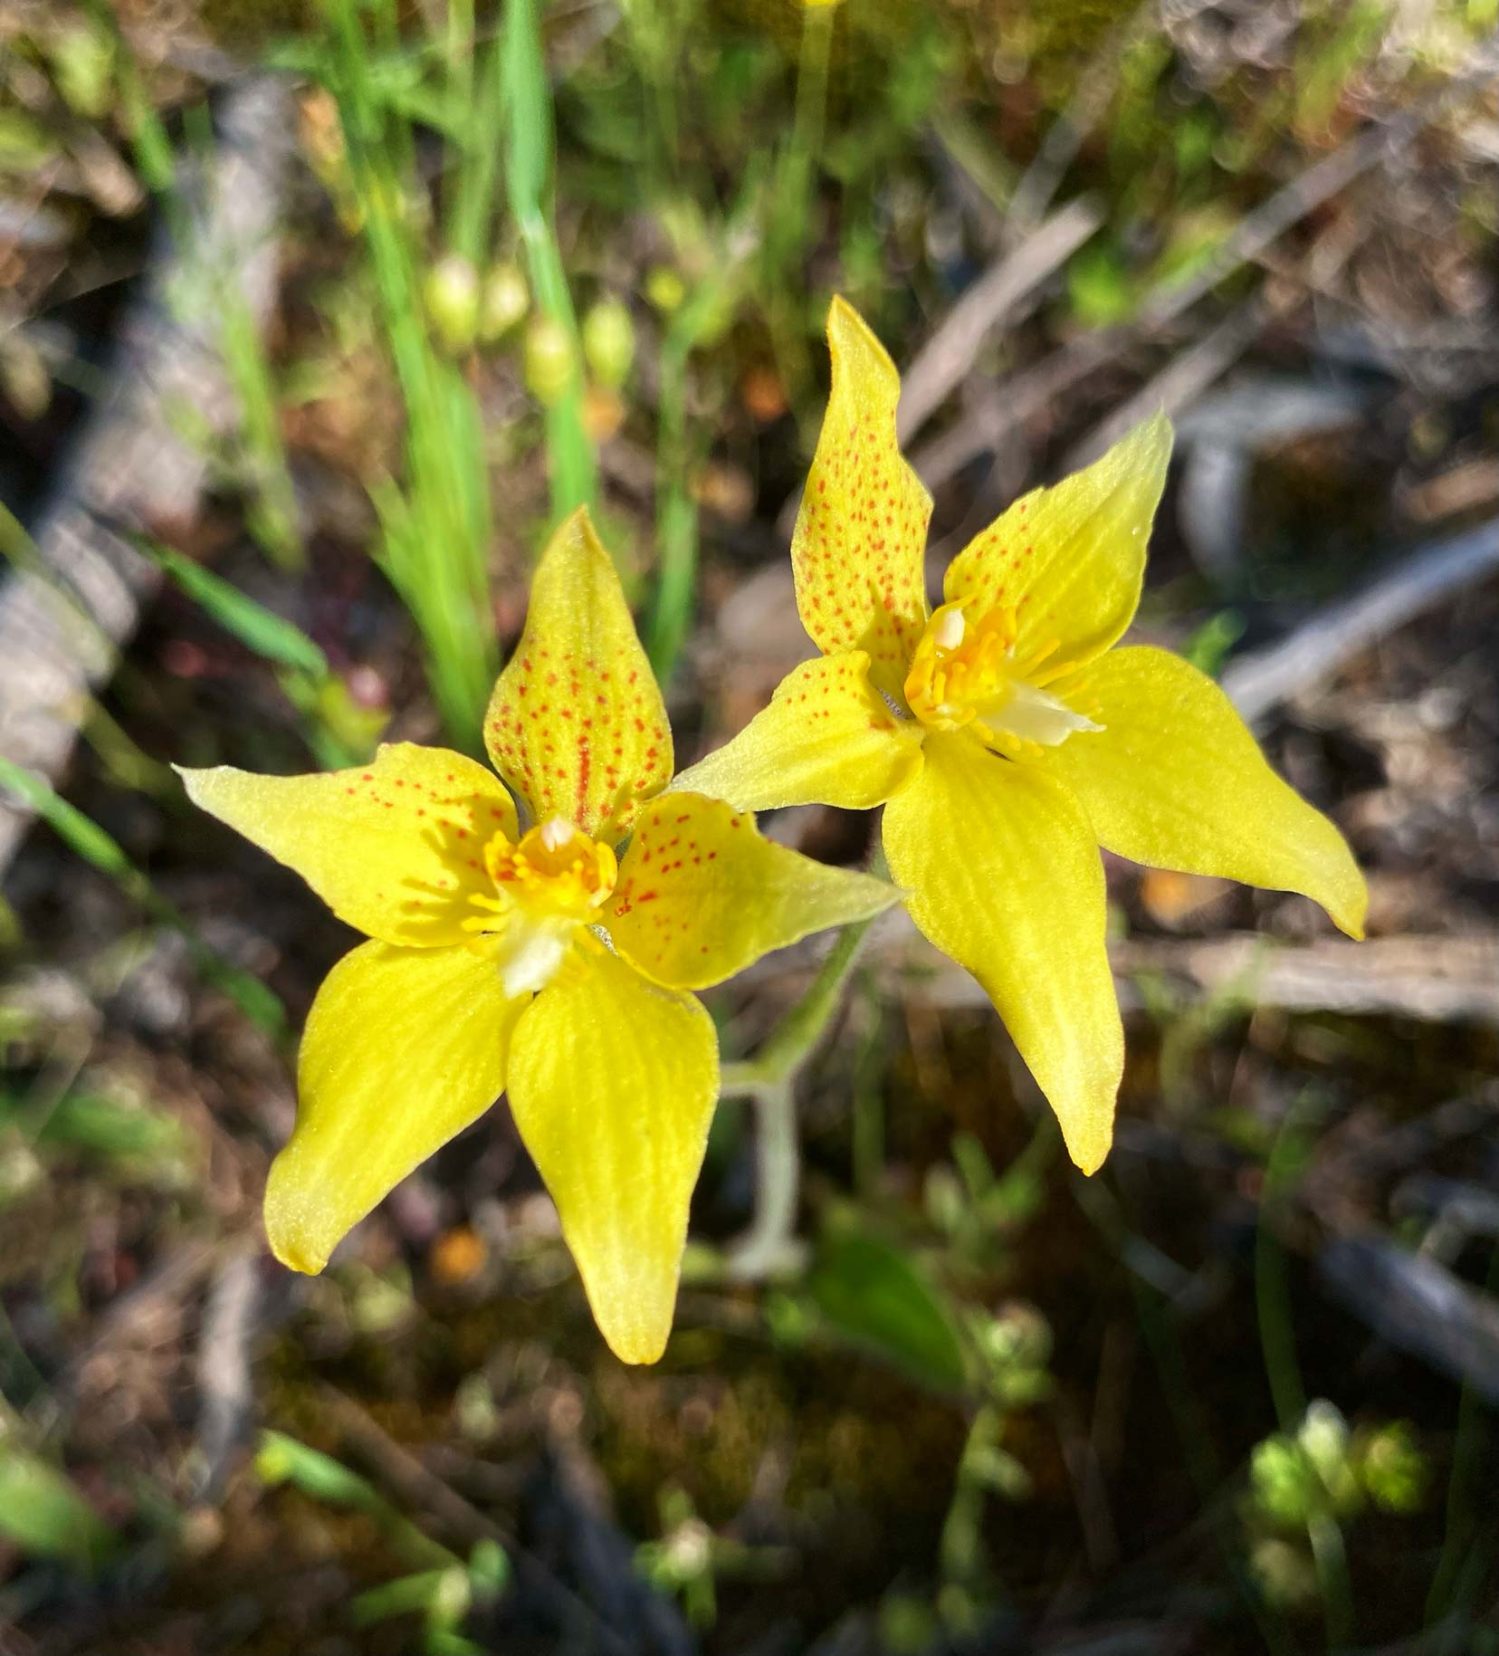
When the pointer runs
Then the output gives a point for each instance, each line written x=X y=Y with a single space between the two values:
x=949 y=630
x=556 y=832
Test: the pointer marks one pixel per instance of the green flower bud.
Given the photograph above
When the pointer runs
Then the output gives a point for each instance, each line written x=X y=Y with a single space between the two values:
x=1323 y=1437
x=273 y=1462
x=549 y=361
x=488 y=1570
x=1392 y=1468
x=609 y=343
x=25 y=376
x=1283 y=1483
x=908 y=1625
x=83 y=65
x=689 y=1550
x=354 y=708
x=451 y=1599
x=1286 y=1575
x=665 y=289
x=503 y=301
x=451 y=295
x=943 y=1196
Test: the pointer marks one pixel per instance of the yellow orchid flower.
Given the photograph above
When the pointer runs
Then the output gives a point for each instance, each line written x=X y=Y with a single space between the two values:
x=543 y=962
x=1005 y=735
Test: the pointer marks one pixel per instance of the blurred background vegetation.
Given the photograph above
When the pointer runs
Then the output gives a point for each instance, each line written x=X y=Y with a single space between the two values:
x=313 y=318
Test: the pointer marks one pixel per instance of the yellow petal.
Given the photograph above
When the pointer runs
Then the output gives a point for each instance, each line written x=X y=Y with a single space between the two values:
x=828 y=737
x=403 y=1049
x=860 y=544
x=576 y=724
x=1069 y=560
x=1004 y=875
x=394 y=847
x=1175 y=779
x=701 y=894
x=612 y=1084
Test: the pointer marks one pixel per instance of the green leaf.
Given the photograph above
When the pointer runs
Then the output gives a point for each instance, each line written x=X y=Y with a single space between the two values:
x=270 y=636
x=878 y=1297
x=282 y=1459
x=85 y=838
x=79 y=833
x=529 y=97
x=1207 y=649
x=1100 y=287
x=43 y=1514
x=408 y=1595
x=114 y=1130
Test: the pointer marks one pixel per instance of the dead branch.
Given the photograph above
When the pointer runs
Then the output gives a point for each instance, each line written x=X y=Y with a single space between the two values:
x=940 y=365
x=1436 y=979
x=1256 y=233
x=226 y=1396
x=1417 y=1305
x=62 y=623
x=1320 y=646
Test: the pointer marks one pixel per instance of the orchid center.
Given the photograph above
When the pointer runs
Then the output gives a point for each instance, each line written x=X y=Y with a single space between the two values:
x=964 y=675
x=555 y=880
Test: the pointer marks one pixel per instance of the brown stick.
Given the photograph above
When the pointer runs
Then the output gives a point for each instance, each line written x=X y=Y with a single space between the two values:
x=1180 y=383
x=1256 y=233
x=62 y=622
x=1321 y=645
x=1435 y=978
x=941 y=363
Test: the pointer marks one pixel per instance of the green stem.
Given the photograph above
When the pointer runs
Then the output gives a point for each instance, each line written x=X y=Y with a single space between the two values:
x=790 y=1044
x=1287 y=1390
x=1331 y=1560
x=788 y=227
x=435 y=527
x=676 y=513
x=769 y=1245
x=868 y=1126
x=1101 y=1205
x=530 y=164
x=811 y=92
x=768 y=1248
x=1464 y=1495
x=86 y=839
x=1271 y=1289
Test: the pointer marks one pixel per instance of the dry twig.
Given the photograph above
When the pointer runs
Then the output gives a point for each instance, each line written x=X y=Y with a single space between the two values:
x=61 y=624
x=940 y=365
x=1426 y=577
x=1256 y=233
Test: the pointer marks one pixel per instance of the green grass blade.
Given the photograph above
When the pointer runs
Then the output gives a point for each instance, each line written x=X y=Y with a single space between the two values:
x=528 y=93
x=436 y=524
x=270 y=636
x=85 y=838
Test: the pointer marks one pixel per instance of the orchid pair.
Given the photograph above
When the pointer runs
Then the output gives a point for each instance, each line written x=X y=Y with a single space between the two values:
x=555 y=955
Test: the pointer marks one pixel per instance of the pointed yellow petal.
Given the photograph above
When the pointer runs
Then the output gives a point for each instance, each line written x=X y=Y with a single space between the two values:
x=612 y=1084
x=403 y=1049
x=1175 y=779
x=828 y=737
x=576 y=724
x=1070 y=559
x=1004 y=875
x=860 y=544
x=701 y=894
x=393 y=847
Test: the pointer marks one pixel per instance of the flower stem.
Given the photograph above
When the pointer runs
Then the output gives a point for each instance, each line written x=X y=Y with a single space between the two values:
x=811 y=96
x=768 y=1247
x=1331 y=1562
x=770 y=1079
